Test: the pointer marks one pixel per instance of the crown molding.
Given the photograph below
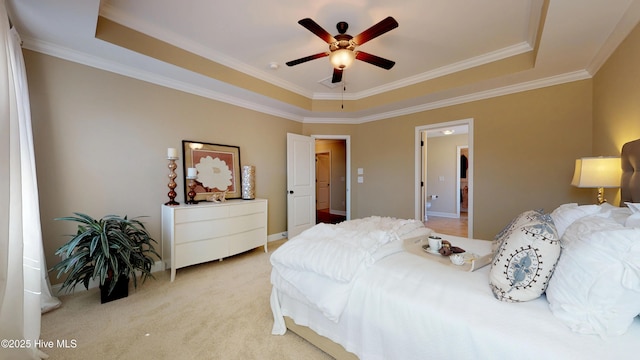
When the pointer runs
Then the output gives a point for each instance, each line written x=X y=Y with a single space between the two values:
x=617 y=36
x=117 y=68
x=109 y=12
x=113 y=14
x=482 y=95
x=483 y=59
x=276 y=108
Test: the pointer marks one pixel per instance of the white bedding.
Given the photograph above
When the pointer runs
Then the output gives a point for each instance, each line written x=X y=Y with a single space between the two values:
x=320 y=265
x=408 y=307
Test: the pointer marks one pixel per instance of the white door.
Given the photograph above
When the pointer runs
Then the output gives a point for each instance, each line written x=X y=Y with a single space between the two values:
x=301 y=194
x=323 y=174
x=423 y=182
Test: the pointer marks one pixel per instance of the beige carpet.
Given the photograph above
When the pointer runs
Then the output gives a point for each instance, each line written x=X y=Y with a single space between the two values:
x=216 y=310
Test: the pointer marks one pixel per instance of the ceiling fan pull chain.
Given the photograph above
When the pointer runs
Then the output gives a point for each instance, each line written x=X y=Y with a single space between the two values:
x=344 y=88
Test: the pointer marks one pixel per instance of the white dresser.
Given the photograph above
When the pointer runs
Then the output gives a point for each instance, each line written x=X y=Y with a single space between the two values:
x=193 y=234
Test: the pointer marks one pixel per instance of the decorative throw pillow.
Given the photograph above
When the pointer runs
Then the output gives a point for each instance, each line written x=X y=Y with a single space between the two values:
x=523 y=265
x=596 y=286
x=566 y=214
x=516 y=222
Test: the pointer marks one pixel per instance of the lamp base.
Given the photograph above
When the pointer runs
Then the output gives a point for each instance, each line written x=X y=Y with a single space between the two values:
x=600 y=199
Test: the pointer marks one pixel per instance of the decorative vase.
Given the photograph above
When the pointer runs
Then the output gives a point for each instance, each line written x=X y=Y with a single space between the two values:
x=248 y=182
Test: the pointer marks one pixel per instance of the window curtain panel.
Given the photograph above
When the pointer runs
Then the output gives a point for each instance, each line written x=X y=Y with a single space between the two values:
x=24 y=287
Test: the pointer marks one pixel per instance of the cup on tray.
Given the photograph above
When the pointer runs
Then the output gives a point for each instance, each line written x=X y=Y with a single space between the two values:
x=435 y=243
x=457 y=259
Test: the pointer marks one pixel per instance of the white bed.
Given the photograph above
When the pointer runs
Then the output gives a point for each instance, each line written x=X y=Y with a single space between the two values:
x=401 y=305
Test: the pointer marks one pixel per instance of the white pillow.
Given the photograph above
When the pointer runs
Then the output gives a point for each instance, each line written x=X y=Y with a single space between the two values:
x=619 y=214
x=524 y=263
x=633 y=221
x=566 y=214
x=587 y=225
x=595 y=288
x=635 y=207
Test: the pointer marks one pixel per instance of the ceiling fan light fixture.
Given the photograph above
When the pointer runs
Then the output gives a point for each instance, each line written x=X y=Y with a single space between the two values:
x=342 y=58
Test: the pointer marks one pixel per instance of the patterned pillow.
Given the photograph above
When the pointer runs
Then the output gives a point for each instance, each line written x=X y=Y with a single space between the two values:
x=525 y=217
x=523 y=265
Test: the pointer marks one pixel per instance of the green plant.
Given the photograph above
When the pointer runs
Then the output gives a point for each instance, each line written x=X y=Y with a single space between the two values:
x=105 y=249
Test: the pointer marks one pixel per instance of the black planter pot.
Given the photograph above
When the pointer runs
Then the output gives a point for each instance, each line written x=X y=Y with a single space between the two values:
x=120 y=291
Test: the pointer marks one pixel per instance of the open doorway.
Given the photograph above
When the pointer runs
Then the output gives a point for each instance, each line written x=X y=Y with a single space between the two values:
x=332 y=178
x=463 y=188
x=444 y=176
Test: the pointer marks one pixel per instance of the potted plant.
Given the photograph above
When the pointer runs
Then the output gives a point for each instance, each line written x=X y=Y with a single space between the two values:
x=112 y=249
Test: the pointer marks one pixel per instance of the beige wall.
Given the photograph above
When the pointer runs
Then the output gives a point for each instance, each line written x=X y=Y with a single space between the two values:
x=525 y=146
x=101 y=141
x=442 y=161
x=616 y=105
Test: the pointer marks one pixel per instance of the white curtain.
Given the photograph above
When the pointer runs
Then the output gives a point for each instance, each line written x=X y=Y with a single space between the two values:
x=24 y=285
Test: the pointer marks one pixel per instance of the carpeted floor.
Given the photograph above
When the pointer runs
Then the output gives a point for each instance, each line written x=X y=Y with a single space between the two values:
x=216 y=310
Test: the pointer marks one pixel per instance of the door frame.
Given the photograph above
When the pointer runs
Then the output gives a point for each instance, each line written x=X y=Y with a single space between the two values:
x=328 y=154
x=458 y=173
x=420 y=200
x=347 y=139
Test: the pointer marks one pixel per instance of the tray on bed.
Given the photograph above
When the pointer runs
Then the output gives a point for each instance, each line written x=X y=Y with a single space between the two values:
x=476 y=257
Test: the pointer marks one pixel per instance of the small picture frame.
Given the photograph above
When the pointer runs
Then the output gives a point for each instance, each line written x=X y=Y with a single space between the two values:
x=218 y=169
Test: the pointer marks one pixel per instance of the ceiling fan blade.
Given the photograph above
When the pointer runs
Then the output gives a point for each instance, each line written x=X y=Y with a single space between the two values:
x=376 y=30
x=317 y=29
x=375 y=60
x=307 y=58
x=337 y=75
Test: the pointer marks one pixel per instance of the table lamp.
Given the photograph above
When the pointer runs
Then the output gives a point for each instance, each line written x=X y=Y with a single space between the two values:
x=597 y=172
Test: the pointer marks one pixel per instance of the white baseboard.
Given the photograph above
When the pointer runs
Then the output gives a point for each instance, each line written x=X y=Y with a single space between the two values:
x=442 y=214
x=55 y=289
x=337 y=212
x=158 y=266
x=278 y=236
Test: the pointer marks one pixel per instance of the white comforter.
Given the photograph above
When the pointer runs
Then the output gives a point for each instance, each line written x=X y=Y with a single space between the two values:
x=320 y=265
x=408 y=307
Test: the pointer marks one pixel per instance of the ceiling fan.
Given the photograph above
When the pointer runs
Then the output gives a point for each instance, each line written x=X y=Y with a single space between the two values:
x=342 y=51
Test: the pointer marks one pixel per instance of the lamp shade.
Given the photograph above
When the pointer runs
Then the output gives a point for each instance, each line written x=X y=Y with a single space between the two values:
x=342 y=58
x=597 y=172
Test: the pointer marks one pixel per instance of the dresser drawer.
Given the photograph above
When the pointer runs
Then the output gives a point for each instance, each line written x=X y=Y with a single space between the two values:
x=245 y=241
x=201 y=251
x=202 y=230
x=248 y=208
x=197 y=213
